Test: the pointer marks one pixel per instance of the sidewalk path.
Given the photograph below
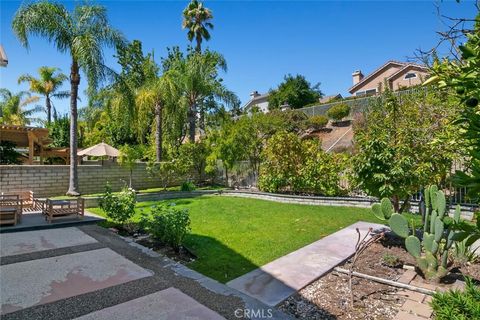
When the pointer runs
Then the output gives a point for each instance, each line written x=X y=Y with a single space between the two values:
x=277 y=280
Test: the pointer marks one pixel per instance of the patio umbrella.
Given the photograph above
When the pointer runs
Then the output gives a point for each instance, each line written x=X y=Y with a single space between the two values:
x=100 y=150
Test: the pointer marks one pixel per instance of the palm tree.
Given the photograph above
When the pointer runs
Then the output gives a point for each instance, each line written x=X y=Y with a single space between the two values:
x=197 y=78
x=47 y=85
x=13 y=108
x=81 y=34
x=154 y=96
x=196 y=19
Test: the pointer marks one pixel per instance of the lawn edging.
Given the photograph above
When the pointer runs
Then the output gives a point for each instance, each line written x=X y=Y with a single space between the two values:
x=357 y=202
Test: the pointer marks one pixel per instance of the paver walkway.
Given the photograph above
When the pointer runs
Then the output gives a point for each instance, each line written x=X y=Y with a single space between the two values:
x=279 y=279
x=87 y=272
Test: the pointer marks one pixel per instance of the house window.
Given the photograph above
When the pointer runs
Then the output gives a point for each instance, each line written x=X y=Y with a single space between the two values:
x=369 y=92
x=410 y=75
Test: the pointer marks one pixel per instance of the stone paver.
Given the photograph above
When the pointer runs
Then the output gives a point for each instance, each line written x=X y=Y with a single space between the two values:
x=37 y=282
x=404 y=315
x=163 y=305
x=407 y=276
x=420 y=309
x=277 y=280
x=40 y=240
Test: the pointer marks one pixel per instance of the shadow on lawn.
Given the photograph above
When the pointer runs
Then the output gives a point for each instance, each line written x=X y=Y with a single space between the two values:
x=218 y=261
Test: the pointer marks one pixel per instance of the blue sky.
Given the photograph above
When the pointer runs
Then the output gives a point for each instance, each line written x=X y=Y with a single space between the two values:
x=261 y=40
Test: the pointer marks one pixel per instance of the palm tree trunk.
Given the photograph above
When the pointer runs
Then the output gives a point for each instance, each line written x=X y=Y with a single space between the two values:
x=49 y=109
x=192 y=114
x=159 y=132
x=74 y=83
x=199 y=43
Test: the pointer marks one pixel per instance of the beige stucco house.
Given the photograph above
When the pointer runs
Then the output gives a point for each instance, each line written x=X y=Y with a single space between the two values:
x=395 y=74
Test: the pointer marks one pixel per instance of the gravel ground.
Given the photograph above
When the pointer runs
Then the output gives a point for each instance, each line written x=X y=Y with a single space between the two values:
x=164 y=277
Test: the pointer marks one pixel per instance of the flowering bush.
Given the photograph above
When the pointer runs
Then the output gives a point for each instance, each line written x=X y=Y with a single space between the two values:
x=121 y=207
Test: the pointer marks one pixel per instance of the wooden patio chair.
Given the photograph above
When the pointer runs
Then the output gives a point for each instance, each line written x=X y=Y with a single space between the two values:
x=10 y=209
x=30 y=203
x=64 y=208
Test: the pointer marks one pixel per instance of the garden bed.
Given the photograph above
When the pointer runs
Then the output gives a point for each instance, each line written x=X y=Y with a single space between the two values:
x=329 y=296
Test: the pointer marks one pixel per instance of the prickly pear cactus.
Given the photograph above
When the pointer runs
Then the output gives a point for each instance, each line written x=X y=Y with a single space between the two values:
x=431 y=253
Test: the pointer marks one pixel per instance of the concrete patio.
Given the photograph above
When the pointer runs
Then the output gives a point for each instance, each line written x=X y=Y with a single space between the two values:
x=37 y=221
x=87 y=272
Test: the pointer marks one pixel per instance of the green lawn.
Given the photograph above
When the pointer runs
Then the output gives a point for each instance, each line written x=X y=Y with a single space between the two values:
x=232 y=236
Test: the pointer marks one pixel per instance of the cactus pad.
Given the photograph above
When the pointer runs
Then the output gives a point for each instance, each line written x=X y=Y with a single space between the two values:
x=387 y=208
x=399 y=225
x=412 y=244
x=456 y=215
x=441 y=203
x=428 y=241
x=439 y=228
x=377 y=211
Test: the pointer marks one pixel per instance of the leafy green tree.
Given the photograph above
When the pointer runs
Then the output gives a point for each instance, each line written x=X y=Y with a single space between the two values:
x=463 y=76
x=59 y=131
x=154 y=95
x=48 y=84
x=81 y=34
x=197 y=78
x=403 y=143
x=14 y=110
x=8 y=154
x=196 y=19
x=129 y=156
x=296 y=91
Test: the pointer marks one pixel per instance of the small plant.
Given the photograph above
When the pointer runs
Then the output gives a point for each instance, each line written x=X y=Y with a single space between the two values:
x=431 y=253
x=338 y=111
x=390 y=260
x=121 y=207
x=458 y=305
x=463 y=253
x=318 y=122
x=187 y=186
x=168 y=224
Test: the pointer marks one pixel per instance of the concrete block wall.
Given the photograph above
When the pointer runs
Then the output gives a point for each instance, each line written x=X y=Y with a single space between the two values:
x=52 y=180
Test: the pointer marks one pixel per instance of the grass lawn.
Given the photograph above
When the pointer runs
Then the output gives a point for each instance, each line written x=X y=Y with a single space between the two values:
x=232 y=236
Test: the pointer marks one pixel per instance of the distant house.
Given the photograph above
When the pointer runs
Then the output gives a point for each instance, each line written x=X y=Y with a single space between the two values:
x=330 y=98
x=3 y=57
x=395 y=74
x=257 y=100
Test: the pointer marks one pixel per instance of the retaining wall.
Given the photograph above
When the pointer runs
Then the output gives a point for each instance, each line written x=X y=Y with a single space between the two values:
x=52 y=180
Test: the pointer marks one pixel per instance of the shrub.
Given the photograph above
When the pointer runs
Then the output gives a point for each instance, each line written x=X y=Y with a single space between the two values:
x=187 y=186
x=121 y=207
x=168 y=224
x=318 y=121
x=291 y=164
x=338 y=111
x=458 y=305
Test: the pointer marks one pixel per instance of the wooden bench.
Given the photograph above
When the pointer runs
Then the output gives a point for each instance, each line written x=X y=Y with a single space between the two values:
x=10 y=209
x=64 y=208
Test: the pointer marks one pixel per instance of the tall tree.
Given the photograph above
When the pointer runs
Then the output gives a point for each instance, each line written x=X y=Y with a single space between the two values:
x=296 y=91
x=14 y=110
x=48 y=85
x=196 y=18
x=81 y=34
x=197 y=78
x=154 y=96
